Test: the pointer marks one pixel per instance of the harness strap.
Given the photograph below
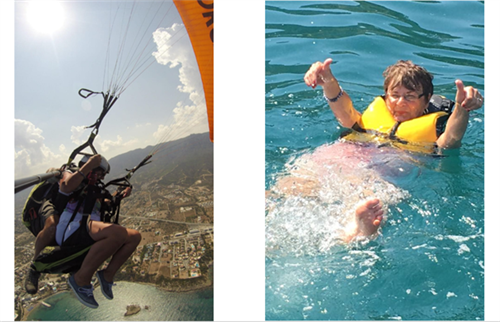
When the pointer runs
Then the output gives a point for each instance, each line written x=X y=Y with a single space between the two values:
x=117 y=209
x=88 y=196
x=392 y=134
x=78 y=205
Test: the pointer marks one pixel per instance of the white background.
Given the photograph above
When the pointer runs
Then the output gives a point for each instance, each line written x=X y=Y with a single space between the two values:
x=239 y=161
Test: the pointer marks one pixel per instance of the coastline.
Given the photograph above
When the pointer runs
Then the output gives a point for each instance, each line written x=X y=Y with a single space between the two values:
x=37 y=305
x=175 y=290
x=163 y=288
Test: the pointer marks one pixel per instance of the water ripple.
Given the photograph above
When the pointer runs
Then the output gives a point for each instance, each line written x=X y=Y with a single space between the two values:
x=428 y=261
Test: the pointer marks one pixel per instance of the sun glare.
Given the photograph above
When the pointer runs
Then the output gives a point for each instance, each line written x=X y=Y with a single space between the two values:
x=46 y=16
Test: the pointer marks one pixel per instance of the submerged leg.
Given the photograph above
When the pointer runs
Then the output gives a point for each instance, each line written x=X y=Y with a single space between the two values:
x=295 y=186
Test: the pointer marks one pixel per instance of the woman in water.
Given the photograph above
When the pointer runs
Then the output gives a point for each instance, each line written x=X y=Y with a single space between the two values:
x=405 y=114
x=408 y=91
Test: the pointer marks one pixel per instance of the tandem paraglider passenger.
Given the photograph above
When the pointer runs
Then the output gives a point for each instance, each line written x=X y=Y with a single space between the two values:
x=107 y=239
x=408 y=116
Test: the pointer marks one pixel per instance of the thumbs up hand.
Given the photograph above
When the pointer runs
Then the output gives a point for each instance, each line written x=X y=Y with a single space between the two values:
x=468 y=97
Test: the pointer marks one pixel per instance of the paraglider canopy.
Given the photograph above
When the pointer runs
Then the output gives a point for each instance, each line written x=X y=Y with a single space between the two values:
x=198 y=17
x=127 y=57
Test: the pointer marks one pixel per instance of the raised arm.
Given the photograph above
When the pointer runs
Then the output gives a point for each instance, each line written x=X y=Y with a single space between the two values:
x=341 y=104
x=467 y=99
x=71 y=181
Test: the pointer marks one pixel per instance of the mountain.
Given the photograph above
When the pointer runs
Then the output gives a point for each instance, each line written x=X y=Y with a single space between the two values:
x=182 y=162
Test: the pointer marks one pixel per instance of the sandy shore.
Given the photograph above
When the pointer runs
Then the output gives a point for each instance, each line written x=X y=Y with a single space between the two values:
x=35 y=306
x=166 y=289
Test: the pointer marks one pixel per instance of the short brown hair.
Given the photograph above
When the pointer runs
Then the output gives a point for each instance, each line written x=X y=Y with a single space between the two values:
x=411 y=76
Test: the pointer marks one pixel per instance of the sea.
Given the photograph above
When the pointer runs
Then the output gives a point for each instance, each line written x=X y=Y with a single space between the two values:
x=162 y=305
x=427 y=263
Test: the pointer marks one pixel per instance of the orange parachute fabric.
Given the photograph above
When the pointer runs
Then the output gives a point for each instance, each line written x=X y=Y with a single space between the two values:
x=198 y=17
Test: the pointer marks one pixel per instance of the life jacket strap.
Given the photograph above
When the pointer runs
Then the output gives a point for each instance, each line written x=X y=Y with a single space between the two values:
x=392 y=134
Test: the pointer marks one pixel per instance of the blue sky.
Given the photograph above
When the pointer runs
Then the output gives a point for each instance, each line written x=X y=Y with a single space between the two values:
x=50 y=68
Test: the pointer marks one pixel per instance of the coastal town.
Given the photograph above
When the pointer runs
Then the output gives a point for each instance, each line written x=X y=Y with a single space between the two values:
x=175 y=254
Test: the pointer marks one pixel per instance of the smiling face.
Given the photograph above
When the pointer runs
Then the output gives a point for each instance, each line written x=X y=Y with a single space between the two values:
x=408 y=89
x=405 y=104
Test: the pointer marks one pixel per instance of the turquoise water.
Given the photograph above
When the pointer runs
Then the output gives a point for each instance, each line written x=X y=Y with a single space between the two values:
x=163 y=306
x=428 y=262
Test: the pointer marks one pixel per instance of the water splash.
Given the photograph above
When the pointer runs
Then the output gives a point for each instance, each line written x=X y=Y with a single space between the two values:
x=312 y=203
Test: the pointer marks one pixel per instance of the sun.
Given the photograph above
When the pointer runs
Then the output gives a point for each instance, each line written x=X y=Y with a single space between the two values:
x=46 y=16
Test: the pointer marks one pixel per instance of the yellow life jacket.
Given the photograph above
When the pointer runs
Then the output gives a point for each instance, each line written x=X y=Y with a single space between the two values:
x=378 y=124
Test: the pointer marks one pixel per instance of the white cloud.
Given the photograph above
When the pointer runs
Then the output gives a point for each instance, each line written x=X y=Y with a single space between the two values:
x=76 y=135
x=114 y=147
x=188 y=118
x=106 y=145
x=131 y=143
x=109 y=147
x=141 y=126
x=31 y=154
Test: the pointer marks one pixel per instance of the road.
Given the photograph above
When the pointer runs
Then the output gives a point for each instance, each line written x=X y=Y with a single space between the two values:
x=199 y=225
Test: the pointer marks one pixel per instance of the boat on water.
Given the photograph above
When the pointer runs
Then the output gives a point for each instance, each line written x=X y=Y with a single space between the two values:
x=46 y=304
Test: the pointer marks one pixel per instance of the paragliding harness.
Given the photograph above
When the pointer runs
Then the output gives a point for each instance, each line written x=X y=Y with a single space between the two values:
x=44 y=199
x=69 y=256
x=40 y=204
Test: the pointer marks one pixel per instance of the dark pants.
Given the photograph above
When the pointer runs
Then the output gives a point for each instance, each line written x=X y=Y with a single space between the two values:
x=81 y=237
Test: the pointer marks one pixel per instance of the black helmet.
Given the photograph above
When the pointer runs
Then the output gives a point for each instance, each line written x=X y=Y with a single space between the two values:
x=104 y=163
